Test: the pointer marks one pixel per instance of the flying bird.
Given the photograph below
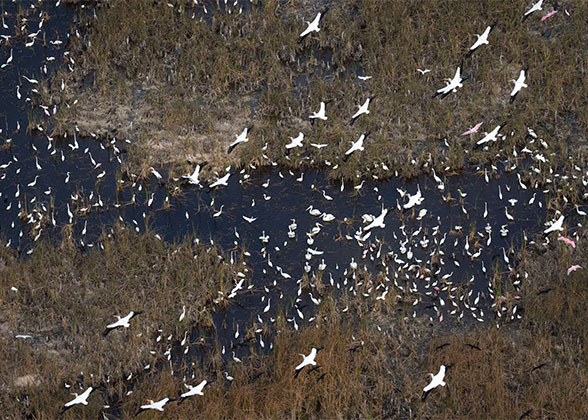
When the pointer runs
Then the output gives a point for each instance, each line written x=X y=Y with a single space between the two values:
x=482 y=40
x=121 y=322
x=154 y=405
x=79 y=399
x=451 y=85
x=534 y=8
x=223 y=180
x=355 y=146
x=313 y=26
x=567 y=241
x=574 y=268
x=307 y=360
x=241 y=138
x=491 y=136
x=436 y=380
x=473 y=130
x=192 y=390
x=193 y=178
x=320 y=114
x=363 y=109
x=557 y=225
x=519 y=84
x=548 y=15
x=295 y=142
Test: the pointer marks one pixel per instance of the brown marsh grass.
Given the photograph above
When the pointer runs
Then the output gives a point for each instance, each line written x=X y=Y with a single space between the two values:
x=190 y=87
x=537 y=363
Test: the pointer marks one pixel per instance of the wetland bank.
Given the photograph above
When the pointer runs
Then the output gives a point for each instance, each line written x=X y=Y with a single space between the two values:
x=234 y=283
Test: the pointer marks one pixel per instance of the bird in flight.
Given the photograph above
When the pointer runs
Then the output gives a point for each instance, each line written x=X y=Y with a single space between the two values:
x=241 y=138
x=451 y=85
x=473 y=130
x=192 y=390
x=491 y=136
x=436 y=380
x=534 y=8
x=357 y=145
x=121 y=322
x=363 y=109
x=519 y=84
x=79 y=399
x=307 y=360
x=482 y=40
x=313 y=26
x=154 y=405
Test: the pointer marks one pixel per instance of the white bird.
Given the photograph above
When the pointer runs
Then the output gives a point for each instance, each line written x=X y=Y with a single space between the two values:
x=491 y=136
x=295 y=142
x=249 y=219
x=158 y=175
x=193 y=390
x=154 y=405
x=415 y=199
x=556 y=225
x=8 y=61
x=321 y=114
x=193 y=178
x=519 y=84
x=482 y=40
x=121 y=322
x=535 y=7
x=425 y=71
x=313 y=26
x=308 y=360
x=378 y=221
x=436 y=380
x=241 y=138
x=363 y=109
x=224 y=181
x=355 y=146
x=452 y=85
x=79 y=399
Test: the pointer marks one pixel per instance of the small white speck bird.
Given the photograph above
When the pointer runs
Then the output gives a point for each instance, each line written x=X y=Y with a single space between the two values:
x=79 y=399
x=192 y=390
x=313 y=26
x=154 y=405
x=355 y=146
x=241 y=138
x=121 y=322
x=436 y=380
x=519 y=84
x=308 y=360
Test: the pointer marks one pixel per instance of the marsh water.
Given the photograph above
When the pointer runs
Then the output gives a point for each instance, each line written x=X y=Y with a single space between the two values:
x=472 y=227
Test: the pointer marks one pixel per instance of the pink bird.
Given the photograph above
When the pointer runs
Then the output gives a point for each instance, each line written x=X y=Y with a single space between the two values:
x=567 y=241
x=473 y=130
x=574 y=268
x=548 y=15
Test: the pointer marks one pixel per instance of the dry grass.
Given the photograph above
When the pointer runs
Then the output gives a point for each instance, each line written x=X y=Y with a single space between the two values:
x=368 y=373
x=191 y=87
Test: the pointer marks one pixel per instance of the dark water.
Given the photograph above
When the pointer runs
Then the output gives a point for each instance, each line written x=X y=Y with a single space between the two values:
x=401 y=252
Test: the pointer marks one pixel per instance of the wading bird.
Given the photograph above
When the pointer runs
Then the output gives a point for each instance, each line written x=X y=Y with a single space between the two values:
x=295 y=141
x=241 y=138
x=121 y=322
x=548 y=15
x=557 y=225
x=574 y=268
x=473 y=130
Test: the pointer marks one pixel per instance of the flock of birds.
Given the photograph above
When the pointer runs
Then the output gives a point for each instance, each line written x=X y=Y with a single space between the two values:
x=429 y=261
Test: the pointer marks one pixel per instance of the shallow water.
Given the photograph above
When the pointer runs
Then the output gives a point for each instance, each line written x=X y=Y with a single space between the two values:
x=401 y=252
